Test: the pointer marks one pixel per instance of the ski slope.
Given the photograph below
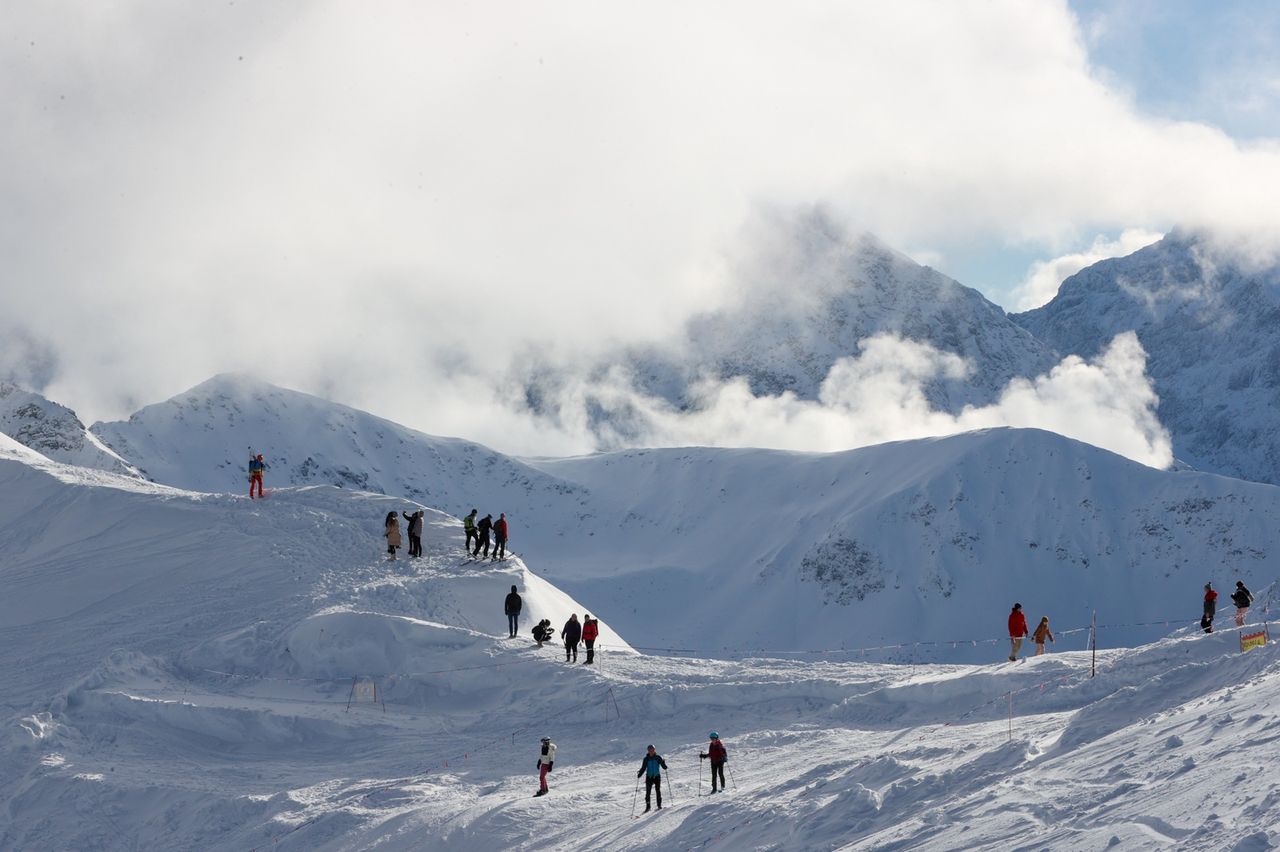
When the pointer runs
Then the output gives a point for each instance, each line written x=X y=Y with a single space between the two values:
x=191 y=670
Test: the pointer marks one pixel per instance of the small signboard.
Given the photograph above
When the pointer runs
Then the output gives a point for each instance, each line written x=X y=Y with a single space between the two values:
x=1253 y=640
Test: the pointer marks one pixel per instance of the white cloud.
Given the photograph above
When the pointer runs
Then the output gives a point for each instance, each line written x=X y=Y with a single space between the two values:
x=1046 y=276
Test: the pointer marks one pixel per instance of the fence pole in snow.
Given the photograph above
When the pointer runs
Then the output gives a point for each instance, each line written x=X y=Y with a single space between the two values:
x=1093 y=644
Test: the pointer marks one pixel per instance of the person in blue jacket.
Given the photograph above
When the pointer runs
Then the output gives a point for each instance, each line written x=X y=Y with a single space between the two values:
x=651 y=768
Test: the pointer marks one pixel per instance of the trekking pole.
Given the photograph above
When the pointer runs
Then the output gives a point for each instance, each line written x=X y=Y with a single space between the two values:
x=669 y=796
x=699 y=777
x=633 y=797
x=731 y=778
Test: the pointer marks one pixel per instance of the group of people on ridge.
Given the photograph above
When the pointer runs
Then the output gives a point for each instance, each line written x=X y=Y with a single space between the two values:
x=391 y=531
x=1018 y=632
x=479 y=532
x=1241 y=597
x=574 y=632
x=651 y=769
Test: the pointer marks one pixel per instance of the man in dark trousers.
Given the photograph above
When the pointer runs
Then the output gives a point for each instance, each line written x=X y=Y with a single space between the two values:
x=513 y=606
x=1017 y=630
x=719 y=756
x=415 y=532
x=651 y=768
x=571 y=633
x=1241 y=597
x=1210 y=608
x=590 y=630
x=482 y=535
x=500 y=537
x=469 y=527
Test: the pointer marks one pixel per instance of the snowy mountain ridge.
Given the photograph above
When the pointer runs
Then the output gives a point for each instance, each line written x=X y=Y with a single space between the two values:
x=54 y=431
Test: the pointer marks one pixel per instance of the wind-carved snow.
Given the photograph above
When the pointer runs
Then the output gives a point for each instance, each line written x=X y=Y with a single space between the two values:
x=1210 y=324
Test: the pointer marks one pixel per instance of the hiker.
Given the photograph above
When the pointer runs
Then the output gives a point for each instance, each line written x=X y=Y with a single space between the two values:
x=543 y=632
x=415 y=532
x=571 y=634
x=482 y=535
x=469 y=526
x=513 y=606
x=1241 y=597
x=545 y=760
x=590 y=630
x=719 y=756
x=257 y=467
x=1017 y=630
x=651 y=767
x=392 y=533
x=500 y=537
x=1210 y=607
x=1042 y=632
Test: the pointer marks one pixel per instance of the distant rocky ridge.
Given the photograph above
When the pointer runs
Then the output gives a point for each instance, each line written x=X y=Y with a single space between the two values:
x=54 y=431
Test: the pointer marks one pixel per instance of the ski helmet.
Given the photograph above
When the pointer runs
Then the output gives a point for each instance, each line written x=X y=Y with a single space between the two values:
x=714 y=735
x=546 y=739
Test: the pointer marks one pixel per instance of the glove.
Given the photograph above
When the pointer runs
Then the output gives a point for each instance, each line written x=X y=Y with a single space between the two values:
x=702 y=757
x=551 y=764
x=641 y=772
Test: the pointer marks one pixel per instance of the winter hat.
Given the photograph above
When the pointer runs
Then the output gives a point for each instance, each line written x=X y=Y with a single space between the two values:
x=649 y=747
x=1240 y=583
x=714 y=735
x=1208 y=585
x=513 y=588
x=1017 y=606
x=546 y=739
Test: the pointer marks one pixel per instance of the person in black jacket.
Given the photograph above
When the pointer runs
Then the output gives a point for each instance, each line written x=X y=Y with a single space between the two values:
x=651 y=767
x=1241 y=597
x=415 y=532
x=571 y=635
x=482 y=535
x=543 y=631
x=513 y=606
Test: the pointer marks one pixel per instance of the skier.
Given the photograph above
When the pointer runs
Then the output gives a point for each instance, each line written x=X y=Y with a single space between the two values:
x=513 y=606
x=651 y=767
x=256 y=469
x=482 y=535
x=1210 y=607
x=415 y=532
x=1241 y=597
x=1017 y=630
x=500 y=537
x=1042 y=632
x=469 y=526
x=545 y=761
x=392 y=533
x=543 y=632
x=571 y=634
x=590 y=630
x=719 y=757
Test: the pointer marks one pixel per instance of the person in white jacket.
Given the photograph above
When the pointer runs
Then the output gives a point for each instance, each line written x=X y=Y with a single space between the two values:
x=545 y=760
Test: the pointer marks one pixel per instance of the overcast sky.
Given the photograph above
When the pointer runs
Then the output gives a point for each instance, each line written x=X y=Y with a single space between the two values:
x=384 y=202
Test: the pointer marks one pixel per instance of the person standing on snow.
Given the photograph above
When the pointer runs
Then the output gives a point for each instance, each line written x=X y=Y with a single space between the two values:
x=1210 y=607
x=1241 y=597
x=651 y=768
x=1042 y=632
x=719 y=757
x=257 y=467
x=482 y=535
x=415 y=532
x=1017 y=630
x=392 y=533
x=590 y=630
x=500 y=537
x=469 y=526
x=513 y=605
x=545 y=761
x=571 y=634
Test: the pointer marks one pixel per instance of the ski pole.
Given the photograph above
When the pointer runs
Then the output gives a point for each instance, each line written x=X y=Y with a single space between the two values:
x=699 y=777
x=731 y=778
x=669 y=796
x=633 y=797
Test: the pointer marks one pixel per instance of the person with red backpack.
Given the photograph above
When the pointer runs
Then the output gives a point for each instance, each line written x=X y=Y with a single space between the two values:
x=590 y=630
x=1017 y=630
x=500 y=537
x=719 y=757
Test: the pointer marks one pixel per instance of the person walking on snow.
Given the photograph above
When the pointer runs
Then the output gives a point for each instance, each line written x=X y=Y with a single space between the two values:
x=1210 y=607
x=719 y=757
x=257 y=467
x=1042 y=632
x=651 y=768
x=571 y=634
x=1017 y=630
x=392 y=533
x=590 y=630
x=469 y=526
x=543 y=632
x=415 y=532
x=500 y=537
x=545 y=761
x=513 y=606
x=482 y=535
x=1241 y=597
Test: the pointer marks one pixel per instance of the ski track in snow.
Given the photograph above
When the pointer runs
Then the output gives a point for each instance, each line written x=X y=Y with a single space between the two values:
x=181 y=664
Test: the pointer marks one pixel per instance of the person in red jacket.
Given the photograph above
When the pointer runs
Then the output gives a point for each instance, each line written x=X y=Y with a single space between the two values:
x=719 y=755
x=1210 y=607
x=1017 y=630
x=590 y=630
x=500 y=537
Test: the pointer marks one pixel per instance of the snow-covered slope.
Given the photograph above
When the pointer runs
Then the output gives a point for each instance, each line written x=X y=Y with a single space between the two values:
x=201 y=440
x=808 y=297
x=54 y=431
x=219 y=674
x=1211 y=330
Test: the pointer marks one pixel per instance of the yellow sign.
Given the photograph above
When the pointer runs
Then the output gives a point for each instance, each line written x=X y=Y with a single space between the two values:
x=1252 y=640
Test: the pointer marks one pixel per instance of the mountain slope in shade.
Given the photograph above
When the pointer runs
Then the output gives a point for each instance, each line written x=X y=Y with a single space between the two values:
x=1211 y=330
x=54 y=431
